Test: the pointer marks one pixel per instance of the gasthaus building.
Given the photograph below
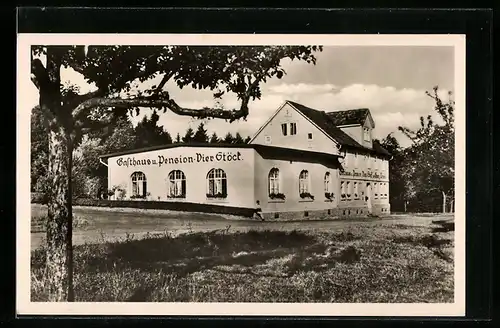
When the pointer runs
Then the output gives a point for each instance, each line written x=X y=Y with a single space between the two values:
x=301 y=163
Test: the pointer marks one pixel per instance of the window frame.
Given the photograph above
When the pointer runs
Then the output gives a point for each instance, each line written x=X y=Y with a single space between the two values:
x=304 y=183
x=366 y=134
x=328 y=186
x=293 y=128
x=327 y=182
x=175 y=180
x=274 y=184
x=138 y=189
x=284 y=129
x=218 y=182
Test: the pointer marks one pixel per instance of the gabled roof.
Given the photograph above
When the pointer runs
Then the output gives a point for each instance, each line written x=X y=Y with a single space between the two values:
x=324 y=122
x=321 y=119
x=349 y=117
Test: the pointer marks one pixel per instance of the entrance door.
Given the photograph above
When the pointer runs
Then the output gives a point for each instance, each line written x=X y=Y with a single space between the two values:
x=368 y=197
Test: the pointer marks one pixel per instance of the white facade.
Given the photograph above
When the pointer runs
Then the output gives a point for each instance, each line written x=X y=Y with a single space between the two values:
x=307 y=136
x=232 y=168
x=290 y=168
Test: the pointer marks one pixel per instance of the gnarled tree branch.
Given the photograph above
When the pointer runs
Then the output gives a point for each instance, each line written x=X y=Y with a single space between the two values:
x=166 y=104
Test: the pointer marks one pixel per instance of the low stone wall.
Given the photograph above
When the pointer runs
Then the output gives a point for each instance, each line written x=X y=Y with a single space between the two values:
x=332 y=214
x=158 y=205
x=328 y=214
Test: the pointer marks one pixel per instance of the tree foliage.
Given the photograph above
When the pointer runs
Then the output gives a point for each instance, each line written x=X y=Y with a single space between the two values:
x=188 y=136
x=214 y=138
x=200 y=136
x=238 y=139
x=148 y=133
x=429 y=167
x=228 y=138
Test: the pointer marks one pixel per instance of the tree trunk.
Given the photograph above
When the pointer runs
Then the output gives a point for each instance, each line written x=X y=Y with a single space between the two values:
x=444 y=202
x=405 y=205
x=59 y=268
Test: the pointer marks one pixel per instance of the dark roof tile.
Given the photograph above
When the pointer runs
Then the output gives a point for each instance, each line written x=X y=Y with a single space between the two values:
x=347 y=117
x=324 y=121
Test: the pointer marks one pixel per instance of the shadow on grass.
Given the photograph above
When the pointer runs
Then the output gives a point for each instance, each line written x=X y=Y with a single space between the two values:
x=430 y=241
x=240 y=253
x=444 y=226
x=201 y=250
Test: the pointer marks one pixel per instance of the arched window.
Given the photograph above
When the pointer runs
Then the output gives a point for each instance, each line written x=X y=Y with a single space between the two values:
x=176 y=184
x=376 y=190
x=348 y=188
x=304 y=182
x=356 y=192
x=328 y=183
x=274 y=181
x=139 y=184
x=216 y=183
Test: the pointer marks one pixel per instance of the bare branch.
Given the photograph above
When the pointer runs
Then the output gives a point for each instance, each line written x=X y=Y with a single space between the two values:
x=164 y=81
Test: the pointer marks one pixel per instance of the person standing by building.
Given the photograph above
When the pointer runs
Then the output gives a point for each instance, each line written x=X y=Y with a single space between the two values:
x=258 y=212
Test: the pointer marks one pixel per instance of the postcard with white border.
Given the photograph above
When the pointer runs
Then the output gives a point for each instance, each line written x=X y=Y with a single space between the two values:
x=241 y=174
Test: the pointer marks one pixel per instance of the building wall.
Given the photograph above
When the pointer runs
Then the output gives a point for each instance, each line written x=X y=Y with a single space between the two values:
x=360 y=170
x=289 y=185
x=272 y=134
x=195 y=162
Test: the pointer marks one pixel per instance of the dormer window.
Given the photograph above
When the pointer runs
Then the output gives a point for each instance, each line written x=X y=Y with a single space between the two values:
x=366 y=134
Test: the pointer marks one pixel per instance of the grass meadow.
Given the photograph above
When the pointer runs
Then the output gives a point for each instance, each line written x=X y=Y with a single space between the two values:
x=382 y=263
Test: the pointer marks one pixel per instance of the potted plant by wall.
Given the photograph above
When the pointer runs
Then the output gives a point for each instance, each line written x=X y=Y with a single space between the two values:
x=138 y=197
x=182 y=195
x=278 y=195
x=306 y=195
x=122 y=193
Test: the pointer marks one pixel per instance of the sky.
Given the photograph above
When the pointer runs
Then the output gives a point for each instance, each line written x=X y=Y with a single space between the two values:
x=389 y=80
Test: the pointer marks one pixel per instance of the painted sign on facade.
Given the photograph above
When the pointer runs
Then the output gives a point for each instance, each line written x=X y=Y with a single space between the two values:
x=363 y=174
x=196 y=158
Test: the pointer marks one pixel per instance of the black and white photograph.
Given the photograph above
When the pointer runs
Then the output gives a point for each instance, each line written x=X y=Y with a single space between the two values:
x=276 y=174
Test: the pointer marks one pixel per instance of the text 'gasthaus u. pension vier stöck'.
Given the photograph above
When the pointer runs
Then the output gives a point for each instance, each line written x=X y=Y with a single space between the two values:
x=181 y=159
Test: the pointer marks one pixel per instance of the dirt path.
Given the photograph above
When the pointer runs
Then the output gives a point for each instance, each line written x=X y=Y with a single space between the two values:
x=115 y=224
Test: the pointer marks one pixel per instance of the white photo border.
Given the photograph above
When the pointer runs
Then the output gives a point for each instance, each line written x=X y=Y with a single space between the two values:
x=24 y=306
